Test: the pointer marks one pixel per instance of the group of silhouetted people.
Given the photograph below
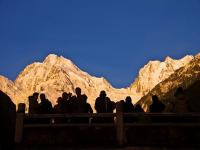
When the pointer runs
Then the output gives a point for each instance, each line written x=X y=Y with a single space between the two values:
x=69 y=103
x=65 y=104
x=178 y=104
x=128 y=106
x=77 y=103
x=44 y=107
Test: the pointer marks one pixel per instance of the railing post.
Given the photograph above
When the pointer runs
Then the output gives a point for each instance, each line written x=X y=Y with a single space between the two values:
x=119 y=123
x=19 y=123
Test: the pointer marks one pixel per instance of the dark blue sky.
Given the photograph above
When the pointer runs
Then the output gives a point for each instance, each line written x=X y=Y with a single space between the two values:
x=107 y=38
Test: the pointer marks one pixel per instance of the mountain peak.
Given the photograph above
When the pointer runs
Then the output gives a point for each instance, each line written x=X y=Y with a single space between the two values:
x=168 y=59
x=156 y=71
x=51 y=59
x=52 y=56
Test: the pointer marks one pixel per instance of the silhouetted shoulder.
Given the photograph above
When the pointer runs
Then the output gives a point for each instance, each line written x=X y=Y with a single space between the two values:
x=157 y=105
x=138 y=108
x=7 y=125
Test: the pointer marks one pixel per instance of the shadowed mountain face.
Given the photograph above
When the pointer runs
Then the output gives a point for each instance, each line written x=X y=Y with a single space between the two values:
x=187 y=77
x=58 y=74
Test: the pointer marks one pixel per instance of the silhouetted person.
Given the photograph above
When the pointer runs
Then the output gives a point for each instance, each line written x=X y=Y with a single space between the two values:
x=181 y=102
x=36 y=95
x=45 y=106
x=65 y=96
x=110 y=105
x=78 y=93
x=58 y=107
x=64 y=103
x=70 y=105
x=157 y=105
x=103 y=104
x=33 y=103
x=77 y=100
x=138 y=108
x=128 y=106
x=73 y=104
x=84 y=107
x=122 y=103
x=7 y=123
x=67 y=104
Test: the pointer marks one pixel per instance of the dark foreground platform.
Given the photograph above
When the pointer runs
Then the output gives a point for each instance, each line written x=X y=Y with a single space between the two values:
x=102 y=148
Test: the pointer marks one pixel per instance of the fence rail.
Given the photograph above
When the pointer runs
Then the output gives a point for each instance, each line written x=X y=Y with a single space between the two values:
x=119 y=123
x=70 y=115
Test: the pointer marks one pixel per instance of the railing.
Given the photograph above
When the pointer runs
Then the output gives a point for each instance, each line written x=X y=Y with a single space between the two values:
x=119 y=123
x=53 y=117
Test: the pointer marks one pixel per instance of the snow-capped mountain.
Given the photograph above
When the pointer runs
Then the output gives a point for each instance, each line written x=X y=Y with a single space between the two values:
x=183 y=77
x=57 y=74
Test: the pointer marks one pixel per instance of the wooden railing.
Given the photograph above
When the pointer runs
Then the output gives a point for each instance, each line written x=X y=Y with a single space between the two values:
x=119 y=123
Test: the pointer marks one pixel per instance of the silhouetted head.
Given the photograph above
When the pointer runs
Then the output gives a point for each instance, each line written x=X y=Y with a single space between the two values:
x=178 y=92
x=78 y=91
x=155 y=98
x=102 y=94
x=65 y=96
x=73 y=98
x=128 y=99
x=42 y=97
x=70 y=94
x=59 y=100
x=122 y=102
x=35 y=95
x=30 y=98
x=84 y=98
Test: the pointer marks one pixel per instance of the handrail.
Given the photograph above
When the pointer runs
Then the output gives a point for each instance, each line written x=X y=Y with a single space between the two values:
x=157 y=124
x=70 y=115
x=70 y=125
x=163 y=114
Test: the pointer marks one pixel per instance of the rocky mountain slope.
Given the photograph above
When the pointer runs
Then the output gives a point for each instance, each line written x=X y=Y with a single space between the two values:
x=155 y=72
x=58 y=74
x=183 y=77
x=10 y=89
